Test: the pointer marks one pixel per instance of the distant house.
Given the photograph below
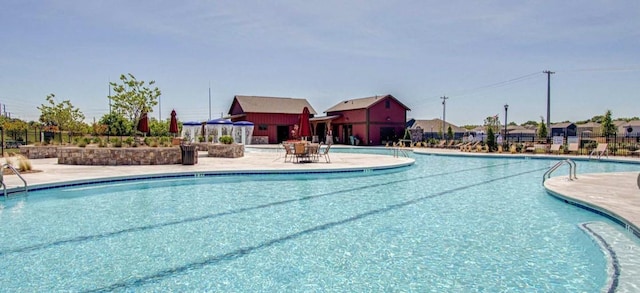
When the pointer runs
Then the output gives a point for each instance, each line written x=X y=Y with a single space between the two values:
x=369 y=121
x=629 y=129
x=273 y=117
x=434 y=129
x=516 y=133
x=588 y=128
x=565 y=129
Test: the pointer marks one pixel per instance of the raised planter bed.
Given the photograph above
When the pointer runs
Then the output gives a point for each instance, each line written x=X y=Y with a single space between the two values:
x=111 y=156
x=225 y=150
x=39 y=152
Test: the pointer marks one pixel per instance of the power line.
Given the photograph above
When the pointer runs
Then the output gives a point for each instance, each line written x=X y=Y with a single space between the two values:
x=501 y=83
x=602 y=69
x=522 y=78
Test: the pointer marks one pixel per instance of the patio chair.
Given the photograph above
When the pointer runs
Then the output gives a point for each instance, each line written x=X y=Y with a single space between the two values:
x=600 y=150
x=573 y=148
x=313 y=150
x=555 y=149
x=300 y=151
x=288 y=152
x=325 y=153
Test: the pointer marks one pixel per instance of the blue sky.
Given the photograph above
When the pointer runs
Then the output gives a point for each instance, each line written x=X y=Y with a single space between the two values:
x=480 y=54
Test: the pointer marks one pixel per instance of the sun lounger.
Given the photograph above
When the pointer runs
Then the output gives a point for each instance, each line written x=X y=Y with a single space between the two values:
x=573 y=148
x=599 y=151
x=555 y=149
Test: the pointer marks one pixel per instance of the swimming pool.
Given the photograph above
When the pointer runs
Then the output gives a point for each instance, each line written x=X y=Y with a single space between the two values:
x=445 y=224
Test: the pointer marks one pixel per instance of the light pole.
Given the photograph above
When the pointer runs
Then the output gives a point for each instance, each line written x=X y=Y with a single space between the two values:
x=506 y=108
x=548 y=73
x=444 y=113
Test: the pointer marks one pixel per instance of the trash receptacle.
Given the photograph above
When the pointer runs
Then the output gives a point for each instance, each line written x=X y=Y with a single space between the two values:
x=189 y=154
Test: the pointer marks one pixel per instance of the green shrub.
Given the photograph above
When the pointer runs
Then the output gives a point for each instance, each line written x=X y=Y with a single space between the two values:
x=226 y=139
x=129 y=141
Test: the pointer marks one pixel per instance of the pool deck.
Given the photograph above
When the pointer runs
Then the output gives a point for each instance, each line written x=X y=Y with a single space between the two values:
x=615 y=194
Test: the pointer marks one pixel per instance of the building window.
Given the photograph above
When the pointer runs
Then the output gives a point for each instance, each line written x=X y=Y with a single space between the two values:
x=387 y=104
x=262 y=127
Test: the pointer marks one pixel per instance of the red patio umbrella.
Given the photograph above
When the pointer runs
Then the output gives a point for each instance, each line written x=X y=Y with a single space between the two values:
x=305 y=126
x=173 y=125
x=143 y=123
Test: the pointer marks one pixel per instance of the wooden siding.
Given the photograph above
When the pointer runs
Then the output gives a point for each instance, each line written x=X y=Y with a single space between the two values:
x=367 y=123
x=272 y=121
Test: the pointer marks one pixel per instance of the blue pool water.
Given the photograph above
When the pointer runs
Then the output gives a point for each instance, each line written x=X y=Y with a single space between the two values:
x=447 y=224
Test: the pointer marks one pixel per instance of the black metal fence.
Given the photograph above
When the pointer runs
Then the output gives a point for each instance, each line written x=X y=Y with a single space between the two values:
x=618 y=144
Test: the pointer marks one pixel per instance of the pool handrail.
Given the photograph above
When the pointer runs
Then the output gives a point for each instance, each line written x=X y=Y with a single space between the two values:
x=572 y=169
x=4 y=186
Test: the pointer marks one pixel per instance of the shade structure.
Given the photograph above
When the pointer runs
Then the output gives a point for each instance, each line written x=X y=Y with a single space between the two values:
x=173 y=125
x=191 y=130
x=218 y=127
x=143 y=123
x=305 y=126
x=242 y=132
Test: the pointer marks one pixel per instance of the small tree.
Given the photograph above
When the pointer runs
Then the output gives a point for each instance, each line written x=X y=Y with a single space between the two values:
x=159 y=128
x=63 y=115
x=492 y=125
x=449 y=133
x=133 y=97
x=608 y=128
x=116 y=124
x=542 y=129
x=491 y=140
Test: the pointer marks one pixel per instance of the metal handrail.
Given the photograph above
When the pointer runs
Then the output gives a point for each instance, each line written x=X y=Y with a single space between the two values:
x=4 y=186
x=397 y=151
x=572 y=169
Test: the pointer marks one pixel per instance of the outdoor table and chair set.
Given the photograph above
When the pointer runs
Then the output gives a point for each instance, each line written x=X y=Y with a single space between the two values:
x=305 y=152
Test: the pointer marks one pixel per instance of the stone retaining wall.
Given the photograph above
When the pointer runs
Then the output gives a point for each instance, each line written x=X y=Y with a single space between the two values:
x=119 y=156
x=226 y=150
x=259 y=140
x=39 y=152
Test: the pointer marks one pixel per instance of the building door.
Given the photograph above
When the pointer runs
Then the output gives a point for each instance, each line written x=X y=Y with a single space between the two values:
x=283 y=133
x=347 y=132
x=387 y=135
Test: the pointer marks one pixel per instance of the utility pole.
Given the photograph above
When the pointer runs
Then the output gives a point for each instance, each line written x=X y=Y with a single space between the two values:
x=548 y=73
x=209 y=100
x=444 y=113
